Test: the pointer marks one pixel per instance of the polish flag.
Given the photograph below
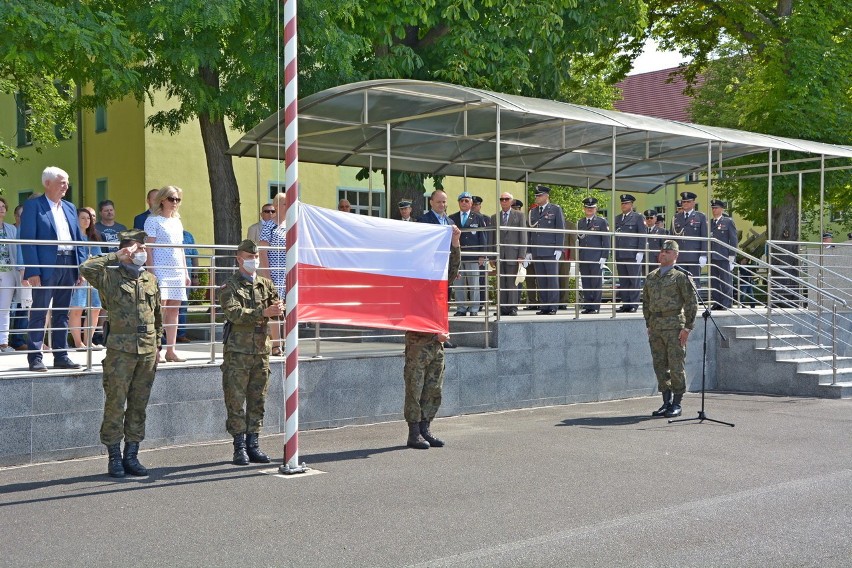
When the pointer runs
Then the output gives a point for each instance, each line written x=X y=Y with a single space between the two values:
x=359 y=270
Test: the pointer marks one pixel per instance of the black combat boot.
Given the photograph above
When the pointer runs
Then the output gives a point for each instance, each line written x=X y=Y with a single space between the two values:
x=675 y=409
x=130 y=462
x=114 y=468
x=253 y=449
x=427 y=435
x=667 y=404
x=415 y=440
x=240 y=455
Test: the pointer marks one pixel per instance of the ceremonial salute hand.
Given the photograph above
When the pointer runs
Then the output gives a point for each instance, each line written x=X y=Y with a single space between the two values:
x=126 y=254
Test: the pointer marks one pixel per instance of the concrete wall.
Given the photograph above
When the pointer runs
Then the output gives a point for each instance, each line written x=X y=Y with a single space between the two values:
x=537 y=363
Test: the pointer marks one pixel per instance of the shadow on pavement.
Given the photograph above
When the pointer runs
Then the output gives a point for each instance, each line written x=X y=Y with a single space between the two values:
x=608 y=421
x=361 y=454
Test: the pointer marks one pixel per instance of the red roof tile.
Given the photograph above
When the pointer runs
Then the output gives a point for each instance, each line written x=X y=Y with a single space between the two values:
x=650 y=94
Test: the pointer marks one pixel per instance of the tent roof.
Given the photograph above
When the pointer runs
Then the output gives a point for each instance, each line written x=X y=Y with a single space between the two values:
x=445 y=129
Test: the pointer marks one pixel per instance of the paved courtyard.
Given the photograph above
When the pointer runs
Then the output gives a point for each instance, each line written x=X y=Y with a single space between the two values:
x=598 y=484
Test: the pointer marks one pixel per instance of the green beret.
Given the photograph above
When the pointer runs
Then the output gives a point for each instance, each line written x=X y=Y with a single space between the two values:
x=137 y=235
x=670 y=245
x=248 y=246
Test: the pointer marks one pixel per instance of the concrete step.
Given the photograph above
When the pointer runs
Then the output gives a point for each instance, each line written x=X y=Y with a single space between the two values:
x=804 y=364
x=839 y=390
x=784 y=340
x=785 y=352
x=747 y=331
x=824 y=376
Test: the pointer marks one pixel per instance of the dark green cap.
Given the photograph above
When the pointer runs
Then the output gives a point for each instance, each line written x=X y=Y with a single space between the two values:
x=248 y=246
x=137 y=235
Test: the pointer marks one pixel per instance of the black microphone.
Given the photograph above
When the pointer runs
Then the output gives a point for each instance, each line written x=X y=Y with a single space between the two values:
x=682 y=269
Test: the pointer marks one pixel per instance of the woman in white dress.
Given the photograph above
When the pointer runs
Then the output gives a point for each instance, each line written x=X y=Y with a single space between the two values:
x=168 y=263
x=10 y=276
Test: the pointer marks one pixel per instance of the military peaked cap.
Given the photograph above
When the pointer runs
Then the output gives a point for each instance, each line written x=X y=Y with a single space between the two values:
x=627 y=198
x=688 y=196
x=404 y=203
x=477 y=199
x=539 y=189
x=650 y=213
x=590 y=202
x=718 y=203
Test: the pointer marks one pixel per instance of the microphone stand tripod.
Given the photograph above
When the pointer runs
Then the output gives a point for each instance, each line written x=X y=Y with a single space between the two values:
x=702 y=416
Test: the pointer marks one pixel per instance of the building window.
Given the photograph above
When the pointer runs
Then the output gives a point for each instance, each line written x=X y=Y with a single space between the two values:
x=24 y=116
x=660 y=209
x=359 y=199
x=836 y=216
x=100 y=119
x=101 y=190
x=693 y=177
x=24 y=195
x=274 y=189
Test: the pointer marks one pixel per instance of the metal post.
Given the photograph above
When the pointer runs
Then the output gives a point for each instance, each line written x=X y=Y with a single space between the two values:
x=388 y=175
x=834 y=343
x=769 y=275
x=612 y=219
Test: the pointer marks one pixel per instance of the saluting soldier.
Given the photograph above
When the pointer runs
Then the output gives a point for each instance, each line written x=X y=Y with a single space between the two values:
x=248 y=301
x=691 y=223
x=131 y=295
x=593 y=251
x=669 y=307
x=721 y=257
x=546 y=248
x=629 y=252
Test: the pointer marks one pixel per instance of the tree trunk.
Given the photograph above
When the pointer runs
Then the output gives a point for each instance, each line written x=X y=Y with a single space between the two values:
x=785 y=219
x=224 y=193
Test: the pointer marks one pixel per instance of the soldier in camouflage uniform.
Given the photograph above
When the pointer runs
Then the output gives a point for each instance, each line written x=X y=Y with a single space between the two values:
x=248 y=301
x=132 y=338
x=669 y=307
x=424 y=371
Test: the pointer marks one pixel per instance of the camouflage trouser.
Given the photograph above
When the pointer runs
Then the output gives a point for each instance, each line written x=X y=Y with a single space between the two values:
x=668 y=357
x=127 y=379
x=424 y=377
x=245 y=379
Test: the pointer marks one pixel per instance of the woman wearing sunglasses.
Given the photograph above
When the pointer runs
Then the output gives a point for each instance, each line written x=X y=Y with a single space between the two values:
x=168 y=263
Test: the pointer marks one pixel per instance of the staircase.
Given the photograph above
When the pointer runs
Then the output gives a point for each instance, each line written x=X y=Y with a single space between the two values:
x=792 y=364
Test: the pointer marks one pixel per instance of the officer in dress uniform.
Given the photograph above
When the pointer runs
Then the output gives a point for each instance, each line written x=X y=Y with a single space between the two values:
x=722 y=258
x=691 y=223
x=132 y=338
x=669 y=307
x=593 y=252
x=405 y=210
x=629 y=252
x=656 y=232
x=248 y=301
x=546 y=248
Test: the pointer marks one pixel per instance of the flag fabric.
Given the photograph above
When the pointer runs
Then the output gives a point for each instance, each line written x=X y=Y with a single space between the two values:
x=359 y=270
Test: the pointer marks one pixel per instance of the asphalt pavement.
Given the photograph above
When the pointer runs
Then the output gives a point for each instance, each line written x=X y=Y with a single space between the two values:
x=598 y=484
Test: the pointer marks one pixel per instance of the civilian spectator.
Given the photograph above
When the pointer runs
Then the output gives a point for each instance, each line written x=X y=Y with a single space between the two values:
x=344 y=205
x=192 y=265
x=23 y=299
x=266 y=214
x=50 y=268
x=139 y=220
x=273 y=262
x=168 y=263
x=107 y=227
x=467 y=292
x=10 y=276
x=84 y=295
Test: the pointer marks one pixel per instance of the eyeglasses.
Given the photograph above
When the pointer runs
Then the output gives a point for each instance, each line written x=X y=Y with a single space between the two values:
x=505 y=199
x=174 y=199
x=270 y=211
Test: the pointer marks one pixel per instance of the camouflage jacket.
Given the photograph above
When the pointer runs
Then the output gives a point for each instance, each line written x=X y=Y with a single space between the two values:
x=668 y=301
x=452 y=272
x=243 y=302
x=135 y=320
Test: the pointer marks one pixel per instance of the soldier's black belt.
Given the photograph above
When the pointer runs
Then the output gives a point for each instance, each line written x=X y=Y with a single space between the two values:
x=666 y=314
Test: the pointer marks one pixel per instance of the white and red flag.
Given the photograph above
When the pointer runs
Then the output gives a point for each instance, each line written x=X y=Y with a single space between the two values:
x=359 y=270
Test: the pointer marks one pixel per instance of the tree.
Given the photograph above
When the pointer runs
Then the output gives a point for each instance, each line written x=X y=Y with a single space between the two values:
x=49 y=47
x=781 y=67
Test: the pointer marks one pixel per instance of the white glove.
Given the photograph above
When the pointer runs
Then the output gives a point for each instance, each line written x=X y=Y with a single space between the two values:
x=731 y=262
x=557 y=254
x=639 y=257
x=603 y=262
x=527 y=259
x=702 y=260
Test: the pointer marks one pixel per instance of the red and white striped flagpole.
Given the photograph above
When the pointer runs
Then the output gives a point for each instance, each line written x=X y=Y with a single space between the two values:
x=291 y=181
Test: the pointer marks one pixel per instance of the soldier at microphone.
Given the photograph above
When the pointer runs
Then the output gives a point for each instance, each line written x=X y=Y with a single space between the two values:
x=669 y=307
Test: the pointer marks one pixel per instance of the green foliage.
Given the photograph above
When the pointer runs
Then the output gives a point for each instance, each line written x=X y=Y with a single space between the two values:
x=778 y=67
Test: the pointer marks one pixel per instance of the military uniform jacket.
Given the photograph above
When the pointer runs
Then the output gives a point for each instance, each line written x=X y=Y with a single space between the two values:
x=473 y=238
x=668 y=301
x=594 y=245
x=693 y=226
x=243 y=302
x=725 y=231
x=547 y=216
x=135 y=320
x=631 y=237
x=452 y=272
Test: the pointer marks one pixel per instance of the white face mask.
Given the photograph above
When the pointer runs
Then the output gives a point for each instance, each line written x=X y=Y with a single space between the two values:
x=139 y=258
x=250 y=265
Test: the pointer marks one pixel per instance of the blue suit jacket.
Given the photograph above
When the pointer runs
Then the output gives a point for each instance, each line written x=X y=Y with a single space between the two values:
x=37 y=224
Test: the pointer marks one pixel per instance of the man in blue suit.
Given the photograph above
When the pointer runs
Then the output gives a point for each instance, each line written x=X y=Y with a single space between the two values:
x=51 y=269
